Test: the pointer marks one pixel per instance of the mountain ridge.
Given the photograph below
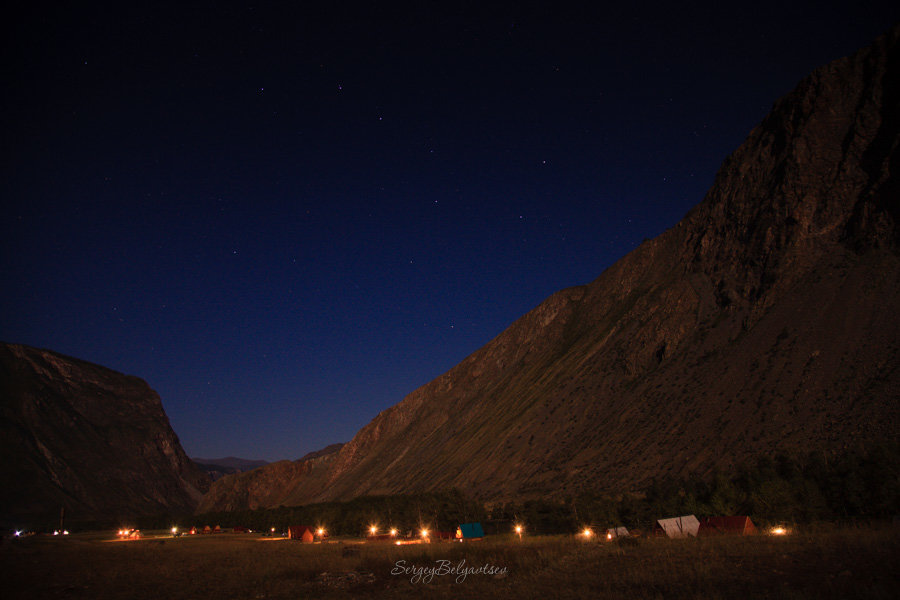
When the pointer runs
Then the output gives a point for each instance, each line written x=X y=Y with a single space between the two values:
x=231 y=461
x=763 y=321
x=217 y=468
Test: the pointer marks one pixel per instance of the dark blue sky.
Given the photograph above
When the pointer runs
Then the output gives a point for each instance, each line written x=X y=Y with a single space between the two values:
x=287 y=220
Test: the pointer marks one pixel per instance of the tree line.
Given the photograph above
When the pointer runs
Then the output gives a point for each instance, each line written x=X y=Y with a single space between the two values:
x=850 y=485
x=408 y=513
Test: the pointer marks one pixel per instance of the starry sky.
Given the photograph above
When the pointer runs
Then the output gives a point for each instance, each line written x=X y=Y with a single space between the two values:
x=285 y=216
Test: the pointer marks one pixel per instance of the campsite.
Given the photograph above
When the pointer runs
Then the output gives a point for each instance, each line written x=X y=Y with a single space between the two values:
x=815 y=562
x=753 y=535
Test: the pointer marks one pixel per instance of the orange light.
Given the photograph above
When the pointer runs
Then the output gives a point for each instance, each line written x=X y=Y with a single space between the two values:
x=587 y=532
x=779 y=531
x=372 y=530
x=424 y=533
x=394 y=532
x=320 y=531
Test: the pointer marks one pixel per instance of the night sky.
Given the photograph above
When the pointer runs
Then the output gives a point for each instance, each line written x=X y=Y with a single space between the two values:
x=286 y=220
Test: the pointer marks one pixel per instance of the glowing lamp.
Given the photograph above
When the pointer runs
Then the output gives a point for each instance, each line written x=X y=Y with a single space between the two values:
x=779 y=531
x=424 y=533
x=372 y=530
x=320 y=531
x=393 y=532
x=587 y=532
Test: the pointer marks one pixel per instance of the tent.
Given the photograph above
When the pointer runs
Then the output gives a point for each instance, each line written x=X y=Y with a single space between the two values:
x=469 y=531
x=617 y=532
x=303 y=533
x=675 y=527
x=727 y=526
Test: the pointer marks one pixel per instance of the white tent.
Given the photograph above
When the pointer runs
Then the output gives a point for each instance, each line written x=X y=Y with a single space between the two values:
x=675 y=527
x=616 y=532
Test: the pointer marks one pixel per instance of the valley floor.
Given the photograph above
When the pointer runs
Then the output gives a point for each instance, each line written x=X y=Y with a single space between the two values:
x=827 y=563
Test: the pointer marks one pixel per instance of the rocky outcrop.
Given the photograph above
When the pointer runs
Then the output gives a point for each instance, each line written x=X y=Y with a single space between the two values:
x=765 y=321
x=86 y=439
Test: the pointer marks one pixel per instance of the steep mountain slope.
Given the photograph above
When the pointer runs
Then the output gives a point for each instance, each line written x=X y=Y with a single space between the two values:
x=765 y=320
x=268 y=486
x=79 y=436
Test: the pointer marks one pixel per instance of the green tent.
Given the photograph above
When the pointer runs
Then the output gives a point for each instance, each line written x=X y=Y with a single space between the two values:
x=469 y=531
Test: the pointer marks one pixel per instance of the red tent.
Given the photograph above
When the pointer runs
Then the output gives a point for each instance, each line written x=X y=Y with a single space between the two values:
x=727 y=526
x=301 y=532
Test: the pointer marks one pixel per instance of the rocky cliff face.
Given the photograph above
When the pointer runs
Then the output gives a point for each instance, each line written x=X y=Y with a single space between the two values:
x=83 y=437
x=766 y=320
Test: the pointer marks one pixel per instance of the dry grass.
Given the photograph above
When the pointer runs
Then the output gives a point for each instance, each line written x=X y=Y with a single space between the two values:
x=840 y=563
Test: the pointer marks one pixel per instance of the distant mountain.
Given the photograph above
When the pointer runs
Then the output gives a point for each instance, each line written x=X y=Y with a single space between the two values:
x=231 y=462
x=217 y=468
x=86 y=439
x=266 y=486
x=766 y=320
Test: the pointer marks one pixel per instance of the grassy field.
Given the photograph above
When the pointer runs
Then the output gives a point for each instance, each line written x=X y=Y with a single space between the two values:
x=828 y=563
